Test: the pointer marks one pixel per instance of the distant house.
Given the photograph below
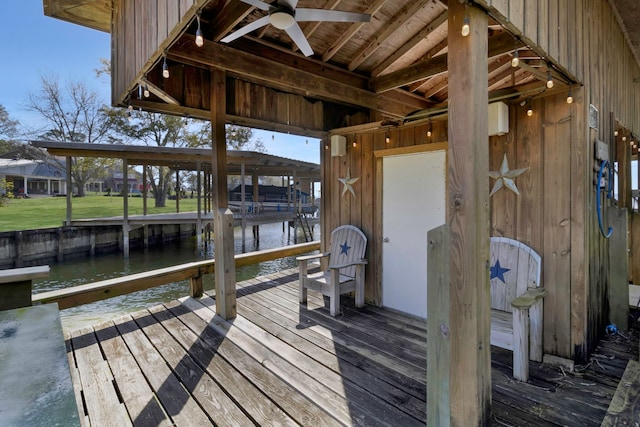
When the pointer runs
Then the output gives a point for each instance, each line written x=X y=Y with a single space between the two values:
x=116 y=182
x=33 y=177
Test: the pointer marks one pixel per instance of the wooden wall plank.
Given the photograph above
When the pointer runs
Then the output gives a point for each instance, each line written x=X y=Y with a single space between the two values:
x=543 y=24
x=557 y=227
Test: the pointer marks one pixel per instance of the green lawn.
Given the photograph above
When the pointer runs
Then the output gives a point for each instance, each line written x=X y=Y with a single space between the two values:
x=27 y=214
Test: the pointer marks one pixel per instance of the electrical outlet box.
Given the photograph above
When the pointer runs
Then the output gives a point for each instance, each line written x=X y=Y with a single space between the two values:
x=338 y=145
x=498 y=118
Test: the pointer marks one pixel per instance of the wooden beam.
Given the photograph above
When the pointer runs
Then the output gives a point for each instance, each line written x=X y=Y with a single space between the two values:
x=388 y=31
x=406 y=47
x=289 y=79
x=228 y=18
x=498 y=45
x=223 y=238
x=160 y=93
x=468 y=218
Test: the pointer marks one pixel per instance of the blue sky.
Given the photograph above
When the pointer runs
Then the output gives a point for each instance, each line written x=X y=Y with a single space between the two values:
x=33 y=45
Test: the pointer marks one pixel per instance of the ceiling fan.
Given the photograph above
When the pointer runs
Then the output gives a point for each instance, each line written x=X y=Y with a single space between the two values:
x=284 y=16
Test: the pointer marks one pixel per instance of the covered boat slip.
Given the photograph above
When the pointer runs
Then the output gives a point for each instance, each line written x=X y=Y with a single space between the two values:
x=281 y=363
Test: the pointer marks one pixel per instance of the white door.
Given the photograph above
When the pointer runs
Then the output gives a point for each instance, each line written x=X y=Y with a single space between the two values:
x=413 y=202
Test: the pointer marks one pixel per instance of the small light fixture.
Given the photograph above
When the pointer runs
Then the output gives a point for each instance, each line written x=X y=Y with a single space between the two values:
x=165 y=68
x=386 y=137
x=145 y=90
x=429 y=129
x=549 y=80
x=615 y=132
x=631 y=142
x=624 y=139
x=355 y=141
x=529 y=109
x=569 y=97
x=515 y=60
x=465 y=26
x=199 y=38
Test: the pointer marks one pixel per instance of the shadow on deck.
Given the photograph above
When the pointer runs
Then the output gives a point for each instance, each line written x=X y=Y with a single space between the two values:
x=279 y=363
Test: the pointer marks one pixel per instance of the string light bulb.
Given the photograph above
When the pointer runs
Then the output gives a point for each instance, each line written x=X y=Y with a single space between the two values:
x=570 y=97
x=549 y=80
x=199 y=37
x=165 y=68
x=529 y=109
x=429 y=129
x=145 y=90
x=386 y=138
x=624 y=139
x=615 y=132
x=515 y=60
x=465 y=26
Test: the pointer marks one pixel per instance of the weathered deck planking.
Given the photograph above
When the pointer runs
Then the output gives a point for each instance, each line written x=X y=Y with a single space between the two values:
x=282 y=363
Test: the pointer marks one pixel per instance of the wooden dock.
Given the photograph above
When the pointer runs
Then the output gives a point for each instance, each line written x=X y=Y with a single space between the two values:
x=279 y=363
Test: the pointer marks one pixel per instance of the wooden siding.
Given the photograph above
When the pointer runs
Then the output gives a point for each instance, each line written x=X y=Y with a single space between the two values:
x=550 y=214
x=583 y=38
x=142 y=29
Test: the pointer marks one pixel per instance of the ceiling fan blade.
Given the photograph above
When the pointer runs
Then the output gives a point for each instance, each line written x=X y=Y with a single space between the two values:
x=296 y=34
x=258 y=23
x=330 y=15
x=259 y=4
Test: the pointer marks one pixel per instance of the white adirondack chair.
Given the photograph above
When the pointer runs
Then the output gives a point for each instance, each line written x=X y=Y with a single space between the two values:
x=516 y=302
x=346 y=268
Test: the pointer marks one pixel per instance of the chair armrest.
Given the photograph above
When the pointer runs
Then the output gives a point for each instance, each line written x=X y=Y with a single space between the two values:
x=528 y=299
x=349 y=264
x=314 y=256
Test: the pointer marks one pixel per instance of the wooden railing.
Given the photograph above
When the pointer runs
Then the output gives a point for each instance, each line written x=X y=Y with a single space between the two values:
x=193 y=272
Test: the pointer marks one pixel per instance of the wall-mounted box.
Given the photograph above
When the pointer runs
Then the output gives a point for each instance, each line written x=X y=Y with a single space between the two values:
x=498 y=118
x=338 y=145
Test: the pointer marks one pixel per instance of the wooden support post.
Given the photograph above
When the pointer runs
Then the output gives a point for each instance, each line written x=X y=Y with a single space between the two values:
x=144 y=190
x=243 y=204
x=623 y=156
x=618 y=273
x=177 y=191
x=468 y=218
x=198 y=201
x=196 y=286
x=69 y=191
x=125 y=201
x=438 y=330
x=223 y=218
x=225 y=264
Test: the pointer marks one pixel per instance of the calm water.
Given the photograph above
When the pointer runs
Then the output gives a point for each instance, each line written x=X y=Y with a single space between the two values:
x=78 y=272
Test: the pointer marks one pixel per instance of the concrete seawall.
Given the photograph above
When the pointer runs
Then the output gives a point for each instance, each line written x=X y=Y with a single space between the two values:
x=49 y=245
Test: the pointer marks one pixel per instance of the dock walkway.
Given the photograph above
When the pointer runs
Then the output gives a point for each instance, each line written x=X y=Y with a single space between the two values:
x=279 y=363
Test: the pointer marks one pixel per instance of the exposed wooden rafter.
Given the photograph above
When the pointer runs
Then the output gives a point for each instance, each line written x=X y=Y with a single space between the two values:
x=498 y=44
x=389 y=30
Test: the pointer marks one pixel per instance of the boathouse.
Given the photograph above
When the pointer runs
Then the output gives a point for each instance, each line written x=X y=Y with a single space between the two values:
x=506 y=118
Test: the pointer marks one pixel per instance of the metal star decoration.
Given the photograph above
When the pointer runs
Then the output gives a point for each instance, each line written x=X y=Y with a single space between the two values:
x=344 y=249
x=348 y=183
x=505 y=177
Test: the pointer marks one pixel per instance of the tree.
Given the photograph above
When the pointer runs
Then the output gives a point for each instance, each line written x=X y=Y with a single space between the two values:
x=75 y=114
x=163 y=131
x=8 y=130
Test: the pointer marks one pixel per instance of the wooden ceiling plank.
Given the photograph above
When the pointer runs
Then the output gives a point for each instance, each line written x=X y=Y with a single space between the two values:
x=280 y=76
x=406 y=47
x=498 y=45
x=312 y=27
x=353 y=29
x=398 y=22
